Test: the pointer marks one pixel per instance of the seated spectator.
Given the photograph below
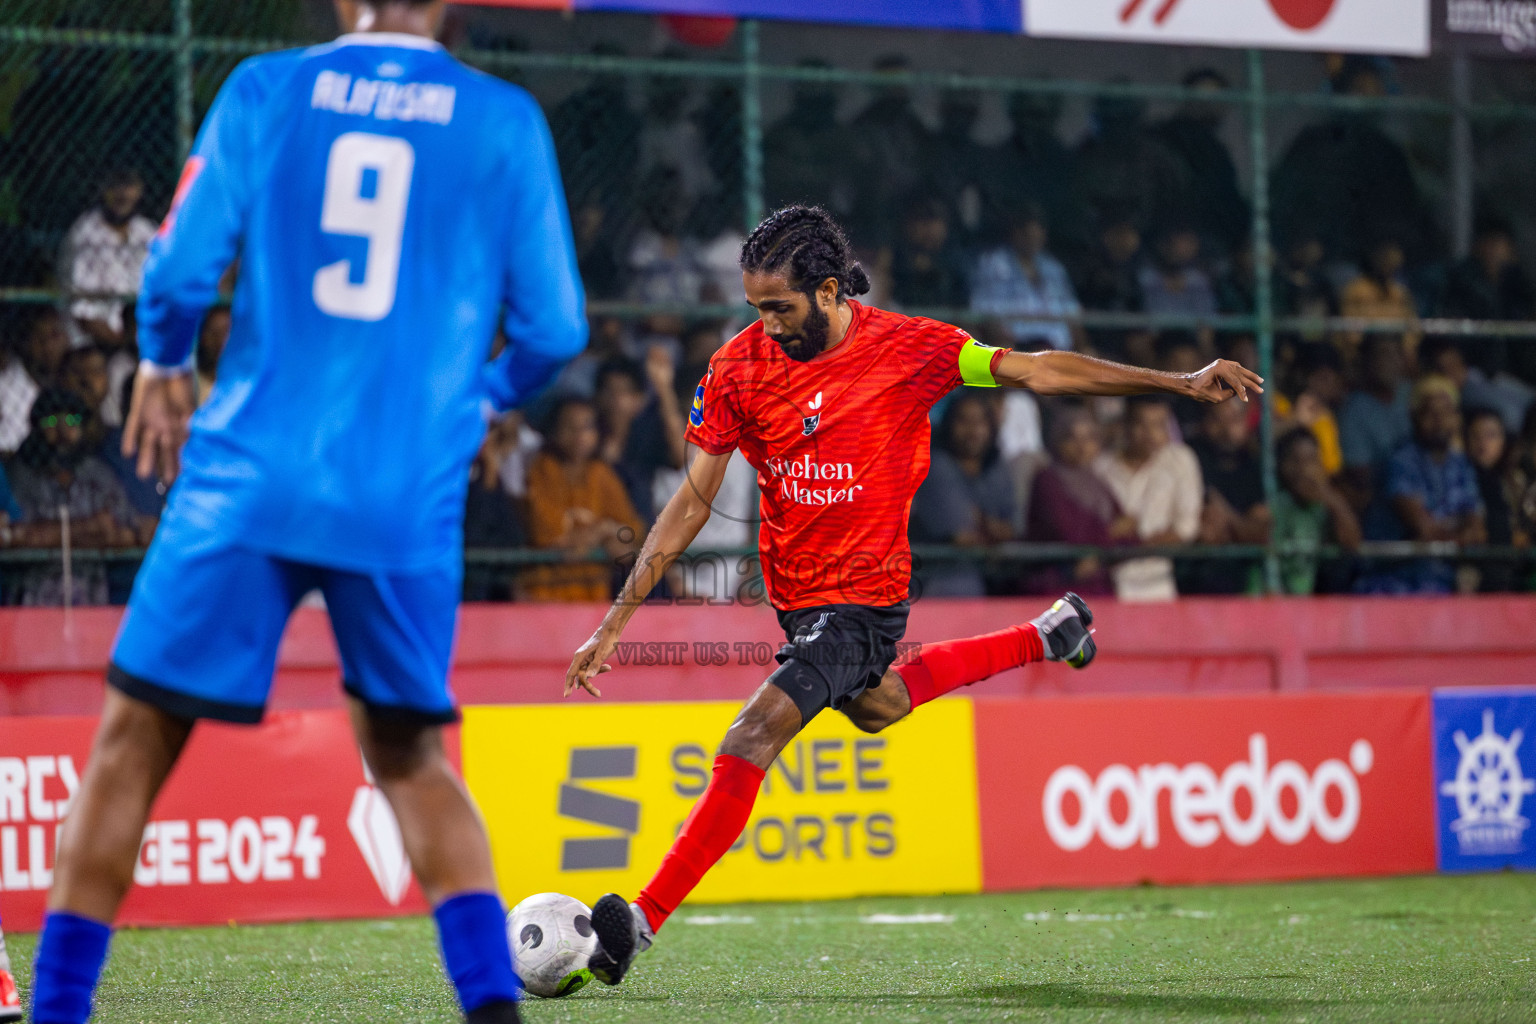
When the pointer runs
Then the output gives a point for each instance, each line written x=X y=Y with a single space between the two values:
x=491 y=517
x=1321 y=373
x=31 y=363
x=926 y=271
x=1490 y=284
x=1158 y=484
x=83 y=371
x=641 y=432
x=1111 y=283
x=1503 y=394
x=211 y=339
x=967 y=498
x=56 y=473
x=1237 y=285
x=1302 y=287
x=1380 y=294
x=1499 y=483
x=663 y=266
x=1180 y=352
x=1026 y=288
x=1174 y=284
x=103 y=260
x=1071 y=504
x=1373 y=424
x=1235 y=510
x=577 y=505
x=1433 y=491
x=1309 y=511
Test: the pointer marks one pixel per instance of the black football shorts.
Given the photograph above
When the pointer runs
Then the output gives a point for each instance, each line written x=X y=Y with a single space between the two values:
x=835 y=652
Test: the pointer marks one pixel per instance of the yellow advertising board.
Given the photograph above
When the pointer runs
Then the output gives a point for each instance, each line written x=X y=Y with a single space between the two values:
x=586 y=798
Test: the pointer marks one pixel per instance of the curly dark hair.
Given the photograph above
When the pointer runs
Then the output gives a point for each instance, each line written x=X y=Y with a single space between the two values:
x=808 y=246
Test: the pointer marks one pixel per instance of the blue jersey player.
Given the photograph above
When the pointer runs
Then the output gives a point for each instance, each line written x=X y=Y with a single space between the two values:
x=390 y=209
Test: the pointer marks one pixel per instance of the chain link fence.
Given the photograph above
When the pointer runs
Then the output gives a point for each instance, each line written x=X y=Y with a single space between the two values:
x=928 y=147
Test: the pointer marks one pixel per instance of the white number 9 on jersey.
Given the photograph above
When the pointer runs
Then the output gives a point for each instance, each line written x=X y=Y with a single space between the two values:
x=376 y=213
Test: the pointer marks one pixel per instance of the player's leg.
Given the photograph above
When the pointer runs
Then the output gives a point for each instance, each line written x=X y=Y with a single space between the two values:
x=395 y=636
x=183 y=653
x=815 y=672
x=10 y=999
x=1061 y=633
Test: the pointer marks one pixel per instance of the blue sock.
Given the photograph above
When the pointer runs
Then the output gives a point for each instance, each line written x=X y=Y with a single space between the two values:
x=69 y=960
x=472 y=928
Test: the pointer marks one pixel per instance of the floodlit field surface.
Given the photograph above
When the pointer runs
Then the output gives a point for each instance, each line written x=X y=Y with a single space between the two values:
x=1416 y=949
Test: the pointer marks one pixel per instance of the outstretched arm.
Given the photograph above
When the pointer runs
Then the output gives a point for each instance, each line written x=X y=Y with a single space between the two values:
x=1070 y=373
x=675 y=529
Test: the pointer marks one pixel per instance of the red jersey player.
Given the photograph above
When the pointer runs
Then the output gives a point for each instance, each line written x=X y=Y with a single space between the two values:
x=829 y=399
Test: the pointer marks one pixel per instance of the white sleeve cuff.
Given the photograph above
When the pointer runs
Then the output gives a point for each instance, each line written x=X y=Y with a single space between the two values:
x=158 y=371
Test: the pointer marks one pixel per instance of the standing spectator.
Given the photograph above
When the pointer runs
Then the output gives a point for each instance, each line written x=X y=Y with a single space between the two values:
x=597 y=138
x=1033 y=166
x=103 y=259
x=576 y=505
x=1309 y=511
x=1235 y=511
x=1373 y=424
x=887 y=145
x=1121 y=164
x=1379 y=293
x=1111 y=283
x=1433 y=490
x=956 y=168
x=1173 y=283
x=967 y=498
x=1347 y=179
x=1158 y=484
x=669 y=137
x=926 y=270
x=593 y=230
x=640 y=433
x=1193 y=135
x=1022 y=280
x=800 y=150
x=1490 y=284
x=663 y=267
x=55 y=475
x=1071 y=504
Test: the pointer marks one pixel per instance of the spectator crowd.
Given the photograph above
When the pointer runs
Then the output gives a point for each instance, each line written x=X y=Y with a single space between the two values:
x=1382 y=434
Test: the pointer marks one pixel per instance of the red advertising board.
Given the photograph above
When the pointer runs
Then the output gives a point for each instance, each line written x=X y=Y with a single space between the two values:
x=264 y=823
x=1108 y=791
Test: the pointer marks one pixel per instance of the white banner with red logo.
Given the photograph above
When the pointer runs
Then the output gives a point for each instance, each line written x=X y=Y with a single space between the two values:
x=276 y=822
x=1361 y=26
x=1111 y=791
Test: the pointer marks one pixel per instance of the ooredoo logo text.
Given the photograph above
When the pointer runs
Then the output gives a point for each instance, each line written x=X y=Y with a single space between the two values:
x=1122 y=806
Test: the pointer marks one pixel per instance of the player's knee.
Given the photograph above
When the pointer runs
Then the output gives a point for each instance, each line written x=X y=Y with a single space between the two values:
x=867 y=722
x=400 y=751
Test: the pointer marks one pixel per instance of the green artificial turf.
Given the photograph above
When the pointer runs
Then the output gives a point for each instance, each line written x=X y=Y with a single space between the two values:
x=1412 y=949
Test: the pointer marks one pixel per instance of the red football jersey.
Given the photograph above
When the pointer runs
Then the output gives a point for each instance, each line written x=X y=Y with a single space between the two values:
x=840 y=445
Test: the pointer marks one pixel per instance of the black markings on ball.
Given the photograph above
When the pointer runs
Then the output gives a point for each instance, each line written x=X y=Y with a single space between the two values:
x=584 y=926
x=531 y=935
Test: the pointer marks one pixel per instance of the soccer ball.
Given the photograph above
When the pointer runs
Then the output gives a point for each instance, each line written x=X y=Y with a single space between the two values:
x=552 y=940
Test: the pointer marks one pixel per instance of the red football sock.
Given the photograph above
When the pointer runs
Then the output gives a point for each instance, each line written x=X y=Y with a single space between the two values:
x=712 y=826
x=938 y=668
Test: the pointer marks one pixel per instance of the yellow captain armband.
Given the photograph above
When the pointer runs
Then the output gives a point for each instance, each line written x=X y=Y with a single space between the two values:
x=976 y=364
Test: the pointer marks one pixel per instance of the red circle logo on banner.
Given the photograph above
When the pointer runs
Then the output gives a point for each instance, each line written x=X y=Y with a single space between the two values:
x=700 y=29
x=1303 y=15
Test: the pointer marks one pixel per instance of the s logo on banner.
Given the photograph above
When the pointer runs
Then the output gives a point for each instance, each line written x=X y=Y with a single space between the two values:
x=588 y=798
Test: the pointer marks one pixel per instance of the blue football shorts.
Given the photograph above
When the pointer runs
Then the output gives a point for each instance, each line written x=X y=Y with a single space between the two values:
x=200 y=637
